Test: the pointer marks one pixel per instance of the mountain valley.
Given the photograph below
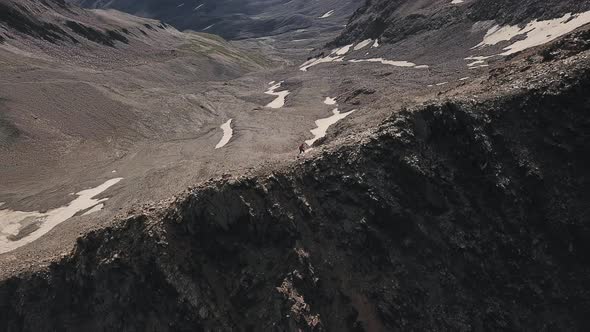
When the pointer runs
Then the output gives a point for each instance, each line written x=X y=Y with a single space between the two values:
x=151 y=179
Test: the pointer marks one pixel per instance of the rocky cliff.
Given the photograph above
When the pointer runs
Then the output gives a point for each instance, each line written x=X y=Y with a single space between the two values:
x=460 y=215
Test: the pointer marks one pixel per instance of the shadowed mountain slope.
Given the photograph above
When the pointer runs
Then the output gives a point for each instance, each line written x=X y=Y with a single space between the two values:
x=238 y=19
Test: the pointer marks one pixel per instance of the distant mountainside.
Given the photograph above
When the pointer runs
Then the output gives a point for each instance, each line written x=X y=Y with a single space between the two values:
x=235 y=19
x=393 y=20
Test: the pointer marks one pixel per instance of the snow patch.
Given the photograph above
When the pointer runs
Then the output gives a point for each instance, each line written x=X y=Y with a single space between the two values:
x=227 y=134
x=477 y=61
x=535 y=32
x=330 y=101
x=325 y=123
x=328 y=14
x=335 y=56
x=316 y=61
x=342 y=50
x=18 y=228
x=363 y=44
x=390 y=62
x=281 y=95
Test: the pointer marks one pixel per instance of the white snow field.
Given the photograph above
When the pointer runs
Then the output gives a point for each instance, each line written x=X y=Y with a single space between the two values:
x=390 y=62
x=330 y=101
x=281 y=95
x=227 y=134
x=325 y=123
x=18 y=228
x=328 y=14
x=535 y=32
x=316 y=61
x=363 y=44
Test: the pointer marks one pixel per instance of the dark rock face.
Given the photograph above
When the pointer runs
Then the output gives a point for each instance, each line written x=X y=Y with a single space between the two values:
x=8 y=132
x=395 y=20
x=510 y=12
x=234 y=19
x=25 y=18
x=107 y=38
x=18 y=18
x=455 y=216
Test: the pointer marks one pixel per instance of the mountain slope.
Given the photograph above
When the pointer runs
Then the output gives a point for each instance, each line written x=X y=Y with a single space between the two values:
x=454 y=216
x=392 y=21
x=235 y=20
x=94 y=65
x=85 y=93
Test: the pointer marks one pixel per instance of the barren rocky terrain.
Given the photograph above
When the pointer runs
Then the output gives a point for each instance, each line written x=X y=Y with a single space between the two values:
x=444 y=188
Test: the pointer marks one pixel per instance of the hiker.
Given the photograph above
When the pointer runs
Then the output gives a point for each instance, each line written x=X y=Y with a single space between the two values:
x=302 y=148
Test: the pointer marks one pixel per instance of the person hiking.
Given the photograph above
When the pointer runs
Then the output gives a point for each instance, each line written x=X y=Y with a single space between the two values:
x=302 y=148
